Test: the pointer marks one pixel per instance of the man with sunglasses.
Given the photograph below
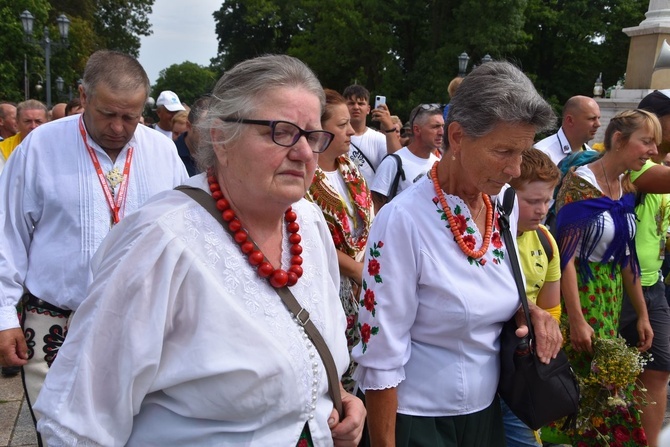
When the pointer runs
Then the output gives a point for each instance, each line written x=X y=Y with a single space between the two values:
x=369 y=147
x=399 y=171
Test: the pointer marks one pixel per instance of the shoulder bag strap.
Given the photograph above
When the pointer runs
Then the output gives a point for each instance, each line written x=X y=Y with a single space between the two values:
x=300 y=313
x=367 y=160
x=503 y=220
x=546 y=243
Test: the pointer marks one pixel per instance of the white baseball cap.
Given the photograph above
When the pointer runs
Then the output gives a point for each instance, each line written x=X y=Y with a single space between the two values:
x=170 y=101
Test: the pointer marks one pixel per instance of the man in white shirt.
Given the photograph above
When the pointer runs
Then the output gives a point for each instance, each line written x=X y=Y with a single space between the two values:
x=581 y=120
x=369 y=147
x=61 y=192
x=415 y=160
x=167 y=105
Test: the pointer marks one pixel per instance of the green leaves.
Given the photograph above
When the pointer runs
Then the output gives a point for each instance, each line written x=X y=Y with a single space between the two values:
x=188 y=79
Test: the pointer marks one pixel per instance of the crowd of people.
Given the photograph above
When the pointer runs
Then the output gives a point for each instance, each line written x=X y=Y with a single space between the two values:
x=275 y=270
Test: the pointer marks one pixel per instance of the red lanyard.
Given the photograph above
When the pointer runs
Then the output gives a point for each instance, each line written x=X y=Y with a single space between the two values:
x=120 y=203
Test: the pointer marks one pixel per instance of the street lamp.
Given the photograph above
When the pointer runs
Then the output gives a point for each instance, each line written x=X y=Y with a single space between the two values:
x=60 y=83
x=28 y=20
x=486 y=59
x=463 y=64
x=38 y=86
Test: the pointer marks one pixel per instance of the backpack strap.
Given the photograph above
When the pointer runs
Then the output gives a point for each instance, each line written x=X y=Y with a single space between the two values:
x=546 y=243
x=393 y=191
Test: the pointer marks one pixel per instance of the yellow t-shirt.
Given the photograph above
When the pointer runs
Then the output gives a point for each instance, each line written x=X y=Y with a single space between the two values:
x=9 y=144
x=536 y=266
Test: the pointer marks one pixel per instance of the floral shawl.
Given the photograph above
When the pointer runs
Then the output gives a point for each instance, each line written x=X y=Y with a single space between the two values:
x=334 y=208
x=579 y=222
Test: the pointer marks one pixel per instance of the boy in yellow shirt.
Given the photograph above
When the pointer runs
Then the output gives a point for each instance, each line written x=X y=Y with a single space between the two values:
x=539 y=258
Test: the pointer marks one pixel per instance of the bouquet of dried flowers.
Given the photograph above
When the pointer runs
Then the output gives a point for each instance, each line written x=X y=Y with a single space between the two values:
x=610 y=391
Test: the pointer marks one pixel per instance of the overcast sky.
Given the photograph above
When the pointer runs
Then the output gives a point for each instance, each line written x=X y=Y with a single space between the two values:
x=182 y=31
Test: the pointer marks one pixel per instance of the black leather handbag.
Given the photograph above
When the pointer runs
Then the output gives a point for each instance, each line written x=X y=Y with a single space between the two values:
x=536 y=393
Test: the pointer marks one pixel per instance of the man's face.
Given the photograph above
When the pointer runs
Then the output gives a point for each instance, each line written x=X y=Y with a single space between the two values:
x=586 y=121
x=8 y=124
x=359 y=108
x=30 y=119
x=430 y=133
x=112 y=116
x=165 y=117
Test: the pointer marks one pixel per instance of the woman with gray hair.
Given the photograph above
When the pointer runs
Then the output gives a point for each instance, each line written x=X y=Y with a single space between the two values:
x=438 y=284
x=184 y=338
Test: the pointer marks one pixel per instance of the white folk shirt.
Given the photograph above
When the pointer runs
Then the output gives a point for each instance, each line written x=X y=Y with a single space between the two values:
x=414 y=168
x=372 y=144
x=435 y=331
x=180 y=342
x=53 y=212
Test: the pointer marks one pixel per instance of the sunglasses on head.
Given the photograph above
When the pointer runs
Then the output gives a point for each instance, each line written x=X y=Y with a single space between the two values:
x=421 y=108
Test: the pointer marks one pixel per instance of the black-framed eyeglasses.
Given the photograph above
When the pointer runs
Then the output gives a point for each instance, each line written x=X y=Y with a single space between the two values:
x=287 y=134
x=421 y=108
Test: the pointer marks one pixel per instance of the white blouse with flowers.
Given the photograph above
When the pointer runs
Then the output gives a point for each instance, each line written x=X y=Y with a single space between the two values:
x=430 y=317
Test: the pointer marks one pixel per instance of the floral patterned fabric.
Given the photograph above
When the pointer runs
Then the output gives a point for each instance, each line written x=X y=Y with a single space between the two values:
x=342 y=227
x=600 y=298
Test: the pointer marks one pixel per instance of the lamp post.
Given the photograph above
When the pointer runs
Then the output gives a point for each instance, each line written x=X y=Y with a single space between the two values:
x=28 y=20
x=486 y=59
x=463 y=64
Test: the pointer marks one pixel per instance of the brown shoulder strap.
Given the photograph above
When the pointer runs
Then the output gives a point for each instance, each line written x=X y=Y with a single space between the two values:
x=300 y=313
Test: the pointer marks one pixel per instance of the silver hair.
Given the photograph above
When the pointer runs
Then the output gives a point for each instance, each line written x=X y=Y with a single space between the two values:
x=497 y=92
x=118 y=71
x=423 y=116
x=31 y=104
x=239 y=91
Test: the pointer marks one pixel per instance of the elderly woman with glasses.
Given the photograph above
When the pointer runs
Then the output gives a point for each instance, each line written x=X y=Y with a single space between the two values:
x=438 y=284
x=186 y=337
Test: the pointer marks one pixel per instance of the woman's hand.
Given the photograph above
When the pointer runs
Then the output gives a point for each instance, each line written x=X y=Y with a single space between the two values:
x=581 y=335
x=645 y=334
x=548 y=338
x=348 y=431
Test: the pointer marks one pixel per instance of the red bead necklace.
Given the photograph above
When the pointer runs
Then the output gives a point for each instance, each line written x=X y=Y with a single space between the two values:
x=278 y=277
x=458 y=236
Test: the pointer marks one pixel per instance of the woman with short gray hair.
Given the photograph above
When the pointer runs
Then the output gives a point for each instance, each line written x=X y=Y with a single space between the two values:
x=438 y=284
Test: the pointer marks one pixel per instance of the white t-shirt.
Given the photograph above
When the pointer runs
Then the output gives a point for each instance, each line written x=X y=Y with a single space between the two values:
x=372 y=144
x=167 y=133
x=414 y=168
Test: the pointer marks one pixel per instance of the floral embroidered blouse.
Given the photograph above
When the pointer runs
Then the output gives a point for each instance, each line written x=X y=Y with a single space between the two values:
x=430 y=316
x=348 y=220
x=335 y=210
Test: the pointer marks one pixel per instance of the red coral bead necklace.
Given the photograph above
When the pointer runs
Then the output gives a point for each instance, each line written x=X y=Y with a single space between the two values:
x=453 y=225
x=278 y=277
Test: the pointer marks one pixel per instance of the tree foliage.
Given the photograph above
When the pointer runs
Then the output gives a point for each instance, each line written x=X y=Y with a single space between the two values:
x=94 y=24
x=408 y=49
x=188 y=80
x=120 y=23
